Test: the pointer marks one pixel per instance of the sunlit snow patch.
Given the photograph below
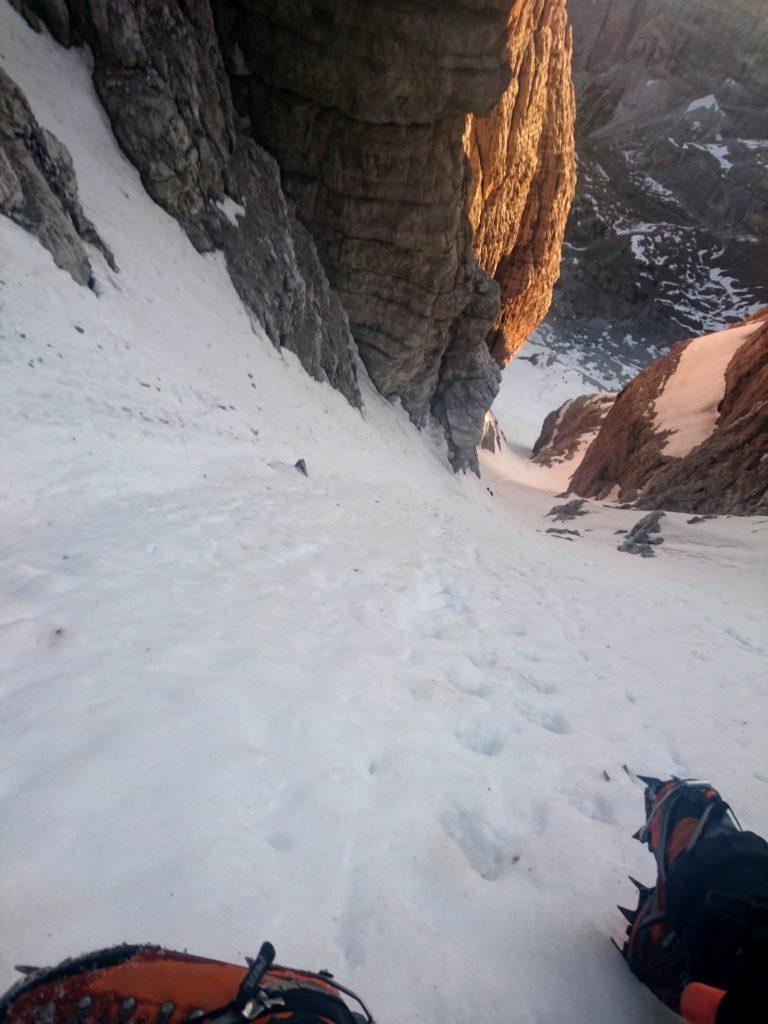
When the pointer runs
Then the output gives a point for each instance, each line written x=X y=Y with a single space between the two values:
x=688 y=405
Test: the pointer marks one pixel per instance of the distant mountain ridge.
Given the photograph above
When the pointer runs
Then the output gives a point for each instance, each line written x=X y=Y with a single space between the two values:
x=668 y=235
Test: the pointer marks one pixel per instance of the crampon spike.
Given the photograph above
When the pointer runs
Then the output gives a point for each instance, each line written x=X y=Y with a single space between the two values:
x=629 y=914
x=649 y=780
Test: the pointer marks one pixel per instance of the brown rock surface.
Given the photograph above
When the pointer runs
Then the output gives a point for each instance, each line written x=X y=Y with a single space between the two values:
x=727 y=472
x=523 y=172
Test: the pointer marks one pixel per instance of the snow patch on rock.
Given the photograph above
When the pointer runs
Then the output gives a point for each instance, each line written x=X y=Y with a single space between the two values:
x=688 y=404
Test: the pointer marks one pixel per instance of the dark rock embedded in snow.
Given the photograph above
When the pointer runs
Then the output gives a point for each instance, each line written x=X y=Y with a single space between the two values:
x=38 y=186
x=641 y=539
x=570 y=510
x=493 y=436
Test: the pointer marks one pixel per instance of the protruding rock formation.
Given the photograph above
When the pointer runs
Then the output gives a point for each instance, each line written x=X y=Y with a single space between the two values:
x=38 y=187
x=568 y=431
x=667 y=236
x=689 y=433
x=523 y=173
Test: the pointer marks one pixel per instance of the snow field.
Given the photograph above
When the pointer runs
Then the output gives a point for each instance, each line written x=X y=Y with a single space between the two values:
x=365 y=714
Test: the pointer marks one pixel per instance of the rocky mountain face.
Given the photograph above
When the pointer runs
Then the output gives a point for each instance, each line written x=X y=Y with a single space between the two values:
x=567 y=431
x=689 y=433
x=362 y=228
x=667 y=236
x=365 y=107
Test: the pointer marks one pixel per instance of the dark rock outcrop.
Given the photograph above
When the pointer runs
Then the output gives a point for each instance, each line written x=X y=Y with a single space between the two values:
x=569 y=428
x=523 y=172
x=644 y=537
x=38 y=186
x=667 y=236
x=493 y=437
x=713 y=458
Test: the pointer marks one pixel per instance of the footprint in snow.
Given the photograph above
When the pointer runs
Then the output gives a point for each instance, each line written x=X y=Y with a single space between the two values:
x=535 y=685
x=482 y=657
x=552 y=721
x=484 y=736
x=491 y=852
x=280 y=841
x=592 y=805
x=464 y=678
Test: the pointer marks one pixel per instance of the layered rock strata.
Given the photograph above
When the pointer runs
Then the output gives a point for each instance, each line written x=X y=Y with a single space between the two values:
x=689 y=433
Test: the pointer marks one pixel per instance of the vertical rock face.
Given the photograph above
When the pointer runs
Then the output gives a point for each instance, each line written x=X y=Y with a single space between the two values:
x=668 y=232
x=523 y=173
x=364 y=104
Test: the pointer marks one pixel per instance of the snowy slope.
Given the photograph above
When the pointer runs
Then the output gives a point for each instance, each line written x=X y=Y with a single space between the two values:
x=364 y=713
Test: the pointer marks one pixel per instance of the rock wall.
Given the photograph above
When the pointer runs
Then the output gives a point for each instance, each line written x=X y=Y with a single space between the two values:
x=643 y=456
x=567 y=431
x=667 y=236
x=365 y=106
x=523 y=172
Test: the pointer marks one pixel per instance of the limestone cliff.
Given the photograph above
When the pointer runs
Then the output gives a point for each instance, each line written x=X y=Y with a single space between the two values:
x=38 y=187
x=158 y=72
x=523 y=172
